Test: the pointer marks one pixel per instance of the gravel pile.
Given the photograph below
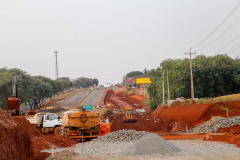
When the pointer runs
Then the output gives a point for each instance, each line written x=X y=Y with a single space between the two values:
x=124 y=143
x=150 y=144
x=215 y=123
x=122 y=136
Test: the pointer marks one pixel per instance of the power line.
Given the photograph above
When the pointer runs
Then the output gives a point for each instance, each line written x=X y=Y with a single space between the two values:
x=233 y=49
x=233 y=40
x=235 y=8
x=220 y=35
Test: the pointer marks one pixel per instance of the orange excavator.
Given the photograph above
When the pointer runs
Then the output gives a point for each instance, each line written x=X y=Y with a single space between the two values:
x=13 y=103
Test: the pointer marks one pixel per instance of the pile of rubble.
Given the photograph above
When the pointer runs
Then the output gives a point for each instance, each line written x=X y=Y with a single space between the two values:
x=122 y=136
x=215 y=123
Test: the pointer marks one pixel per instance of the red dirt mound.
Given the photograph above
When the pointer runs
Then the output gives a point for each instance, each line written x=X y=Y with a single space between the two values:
x=232 y=136
x=20 y=140
x=195 y=113
x=15 y=142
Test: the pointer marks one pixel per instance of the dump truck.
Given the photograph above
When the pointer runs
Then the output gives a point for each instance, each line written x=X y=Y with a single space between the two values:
x=46 y=122
x=13 y=103
x=128 y=116
x=81 y=125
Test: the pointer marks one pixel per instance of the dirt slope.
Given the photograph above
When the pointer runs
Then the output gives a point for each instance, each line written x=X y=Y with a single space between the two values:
x=195 y=113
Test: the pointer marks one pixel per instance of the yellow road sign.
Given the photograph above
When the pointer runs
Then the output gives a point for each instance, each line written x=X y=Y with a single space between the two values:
x=143 y=80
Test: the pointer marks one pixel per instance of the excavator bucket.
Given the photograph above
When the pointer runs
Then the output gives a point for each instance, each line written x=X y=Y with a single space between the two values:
x=13 y=106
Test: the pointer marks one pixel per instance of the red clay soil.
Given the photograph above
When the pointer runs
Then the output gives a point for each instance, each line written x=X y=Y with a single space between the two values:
x=144 y=123
x=232 y=136
x=131 y=99
x=138 y=97
x=15 y=142
x=20 y=140
x=195 y=113
x=47 y=141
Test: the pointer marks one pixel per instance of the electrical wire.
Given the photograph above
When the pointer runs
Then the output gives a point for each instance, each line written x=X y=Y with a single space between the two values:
x=233 y=49
x=220 y=35
x=233 y=40
x=230 y=14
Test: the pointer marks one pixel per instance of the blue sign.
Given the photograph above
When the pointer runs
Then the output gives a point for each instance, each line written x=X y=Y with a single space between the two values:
x=88 y=107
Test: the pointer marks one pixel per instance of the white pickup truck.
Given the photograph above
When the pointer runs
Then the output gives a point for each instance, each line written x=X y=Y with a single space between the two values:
x=46 y=122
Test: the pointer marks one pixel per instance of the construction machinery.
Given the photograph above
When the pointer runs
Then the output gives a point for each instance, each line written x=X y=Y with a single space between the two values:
x=13 y=103
x=81 y=125
x=128 y=116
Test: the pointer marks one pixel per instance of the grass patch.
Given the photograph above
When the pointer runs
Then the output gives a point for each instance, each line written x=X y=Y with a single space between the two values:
x=65 y=95
x=128 y=92
x=227 y=98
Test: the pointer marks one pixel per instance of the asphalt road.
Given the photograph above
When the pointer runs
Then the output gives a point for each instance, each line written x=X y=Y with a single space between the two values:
x=97 y=98
x=70 y=101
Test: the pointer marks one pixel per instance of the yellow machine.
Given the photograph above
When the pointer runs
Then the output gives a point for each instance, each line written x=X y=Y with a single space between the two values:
x=81 y=125
x=129 y=118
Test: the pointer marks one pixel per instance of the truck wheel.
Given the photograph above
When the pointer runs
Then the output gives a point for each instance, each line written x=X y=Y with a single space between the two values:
x=58 y=131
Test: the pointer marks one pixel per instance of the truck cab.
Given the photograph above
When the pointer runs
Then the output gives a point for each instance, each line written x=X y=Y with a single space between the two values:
x=46 y=122
x=51 y=121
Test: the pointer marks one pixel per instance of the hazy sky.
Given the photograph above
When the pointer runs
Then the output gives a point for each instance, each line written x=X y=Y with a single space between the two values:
x=106 y=39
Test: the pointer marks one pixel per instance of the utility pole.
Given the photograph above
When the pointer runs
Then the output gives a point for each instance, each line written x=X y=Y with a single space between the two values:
x=144 y=87
x=192 y=90
x=56 y=74
x=163 y=86
x=168 y=89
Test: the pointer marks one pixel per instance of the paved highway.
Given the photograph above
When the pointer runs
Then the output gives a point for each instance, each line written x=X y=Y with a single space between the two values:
x=70 y=101
x=97 y=98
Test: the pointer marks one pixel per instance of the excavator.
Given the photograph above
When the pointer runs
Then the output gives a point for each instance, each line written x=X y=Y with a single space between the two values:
x=13 y=103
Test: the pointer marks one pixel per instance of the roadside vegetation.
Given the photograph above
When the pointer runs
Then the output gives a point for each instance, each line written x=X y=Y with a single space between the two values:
x=31 y=88
x=212 y=77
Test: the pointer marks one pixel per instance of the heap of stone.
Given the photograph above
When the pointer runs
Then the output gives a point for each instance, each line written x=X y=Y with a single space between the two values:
x=150 y=144
x=122 y=136
x=215 y=123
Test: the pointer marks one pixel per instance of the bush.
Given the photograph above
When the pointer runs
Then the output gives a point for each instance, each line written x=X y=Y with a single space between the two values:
x=153 y=105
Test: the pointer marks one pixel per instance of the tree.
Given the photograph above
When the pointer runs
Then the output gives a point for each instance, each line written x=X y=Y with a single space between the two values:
x=133 y=74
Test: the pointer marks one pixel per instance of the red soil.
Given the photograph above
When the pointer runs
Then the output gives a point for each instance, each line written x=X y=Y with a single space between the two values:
x=232 y=136
x=138 y=97
x=20 y=140
x=144 y=122
x=195 y=113
x=15 y=141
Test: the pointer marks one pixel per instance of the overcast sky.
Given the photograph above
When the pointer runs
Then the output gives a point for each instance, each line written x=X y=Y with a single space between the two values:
x=106 y=39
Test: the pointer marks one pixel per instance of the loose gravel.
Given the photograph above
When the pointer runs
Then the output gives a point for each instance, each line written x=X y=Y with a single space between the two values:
x=122 y=136
x=215 y=123
x=150 y=144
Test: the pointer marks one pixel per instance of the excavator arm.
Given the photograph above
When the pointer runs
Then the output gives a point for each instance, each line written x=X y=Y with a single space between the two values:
x=13 y=103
